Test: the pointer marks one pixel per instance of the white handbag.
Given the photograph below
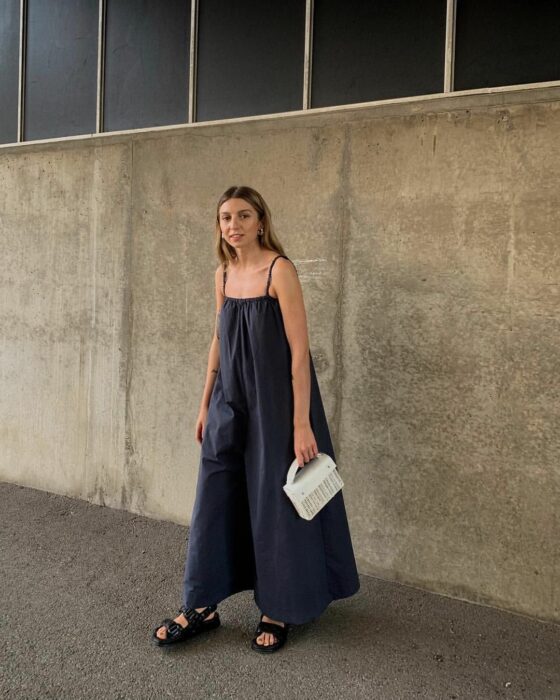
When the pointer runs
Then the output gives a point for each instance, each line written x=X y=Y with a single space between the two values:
x=313 y=486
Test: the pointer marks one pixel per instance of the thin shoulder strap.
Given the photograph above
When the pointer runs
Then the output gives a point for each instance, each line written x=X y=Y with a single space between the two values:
x=270 y=271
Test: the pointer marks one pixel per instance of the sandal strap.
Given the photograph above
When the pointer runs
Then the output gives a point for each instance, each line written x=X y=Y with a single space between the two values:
x=272 y=628
x=174 y=629
x=195 y=618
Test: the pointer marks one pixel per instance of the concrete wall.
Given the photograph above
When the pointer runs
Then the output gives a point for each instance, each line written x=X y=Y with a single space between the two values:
x=426 y=237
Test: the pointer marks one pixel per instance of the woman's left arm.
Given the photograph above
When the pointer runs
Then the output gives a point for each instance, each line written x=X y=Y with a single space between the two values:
x=287 y=286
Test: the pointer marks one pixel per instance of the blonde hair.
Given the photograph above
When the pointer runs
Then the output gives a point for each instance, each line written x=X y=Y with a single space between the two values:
x=268 y=241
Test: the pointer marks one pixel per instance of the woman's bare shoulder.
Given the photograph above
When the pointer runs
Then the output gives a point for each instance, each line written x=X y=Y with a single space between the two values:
x=219 y=271
x=284 y=279
x=286 y=266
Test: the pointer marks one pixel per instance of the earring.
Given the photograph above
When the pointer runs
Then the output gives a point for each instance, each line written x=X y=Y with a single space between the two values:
x=260 y=232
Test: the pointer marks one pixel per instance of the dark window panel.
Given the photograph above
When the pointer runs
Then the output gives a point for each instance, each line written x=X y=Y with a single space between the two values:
x=250 y=58
x=9 y=70
x=61 y=70
x=146 y=63
x=506 y=43
x=365 y=51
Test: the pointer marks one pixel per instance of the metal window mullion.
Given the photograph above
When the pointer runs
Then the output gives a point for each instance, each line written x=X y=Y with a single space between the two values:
x=450 y=24
x=100 y=103
x=21 y=69
x=193 y=49
x=308 y=54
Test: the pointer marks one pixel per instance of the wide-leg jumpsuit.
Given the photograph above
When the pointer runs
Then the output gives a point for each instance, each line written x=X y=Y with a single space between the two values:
x=245 y=533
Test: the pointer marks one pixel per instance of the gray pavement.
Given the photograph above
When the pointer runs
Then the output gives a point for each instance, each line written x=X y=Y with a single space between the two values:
x=83 y=586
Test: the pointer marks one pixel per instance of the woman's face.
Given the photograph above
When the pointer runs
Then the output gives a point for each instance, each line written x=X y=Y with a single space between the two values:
x=239 y=222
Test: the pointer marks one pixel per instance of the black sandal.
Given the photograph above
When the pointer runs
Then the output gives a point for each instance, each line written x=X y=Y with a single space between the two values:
x=281 y=634
x=197 y=624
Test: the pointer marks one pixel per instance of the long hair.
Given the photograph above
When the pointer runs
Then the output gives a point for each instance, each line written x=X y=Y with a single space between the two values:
x=269 y=241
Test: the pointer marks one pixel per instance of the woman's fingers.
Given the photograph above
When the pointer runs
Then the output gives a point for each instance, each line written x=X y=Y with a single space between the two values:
x=304 y=455
x=313 y=451
x=305 y=446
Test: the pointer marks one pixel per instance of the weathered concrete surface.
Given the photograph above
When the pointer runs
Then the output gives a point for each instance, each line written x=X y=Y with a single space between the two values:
x=83 y=587
x=65 y=233
x=426 y=237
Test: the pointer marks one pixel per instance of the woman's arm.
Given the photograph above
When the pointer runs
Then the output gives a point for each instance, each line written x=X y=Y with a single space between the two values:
x=287 y=286
x=214 y=354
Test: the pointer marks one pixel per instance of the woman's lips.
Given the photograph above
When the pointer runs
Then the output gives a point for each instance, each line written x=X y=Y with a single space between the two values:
x=235 y=237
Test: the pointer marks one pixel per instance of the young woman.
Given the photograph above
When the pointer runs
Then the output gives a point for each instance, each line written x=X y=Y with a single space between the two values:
x=260 y=409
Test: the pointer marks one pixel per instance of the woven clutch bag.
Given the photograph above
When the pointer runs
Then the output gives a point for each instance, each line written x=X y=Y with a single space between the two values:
x=312 y=487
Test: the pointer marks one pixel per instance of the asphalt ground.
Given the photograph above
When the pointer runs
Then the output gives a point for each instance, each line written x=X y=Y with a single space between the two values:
x=83 y=586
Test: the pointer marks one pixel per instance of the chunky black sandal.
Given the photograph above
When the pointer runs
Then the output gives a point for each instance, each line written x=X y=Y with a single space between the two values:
x=197 y=624
x=281 y=634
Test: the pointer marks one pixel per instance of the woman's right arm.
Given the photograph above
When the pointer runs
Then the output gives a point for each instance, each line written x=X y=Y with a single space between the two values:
x=214 y=354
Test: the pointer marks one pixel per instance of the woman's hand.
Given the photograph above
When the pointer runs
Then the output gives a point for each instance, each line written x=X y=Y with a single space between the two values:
x=305 y=445
x=200 y=423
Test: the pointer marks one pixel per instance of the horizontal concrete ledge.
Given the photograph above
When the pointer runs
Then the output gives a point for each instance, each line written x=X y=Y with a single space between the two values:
x=404 y=106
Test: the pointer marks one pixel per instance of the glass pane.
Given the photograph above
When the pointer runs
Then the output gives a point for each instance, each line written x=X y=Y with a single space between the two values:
x=146 y=63
x=61 y=70
x=250 y=58
x=506 y=43
x=364 y=51
x=9 y=63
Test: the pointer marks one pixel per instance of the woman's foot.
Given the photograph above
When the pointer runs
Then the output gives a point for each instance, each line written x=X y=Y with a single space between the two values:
x=266 y=638
x=182 y=620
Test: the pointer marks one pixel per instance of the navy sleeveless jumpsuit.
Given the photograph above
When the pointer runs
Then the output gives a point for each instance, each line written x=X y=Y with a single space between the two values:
x=245 y=533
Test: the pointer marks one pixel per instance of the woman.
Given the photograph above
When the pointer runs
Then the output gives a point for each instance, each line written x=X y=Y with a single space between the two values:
x=261 y=406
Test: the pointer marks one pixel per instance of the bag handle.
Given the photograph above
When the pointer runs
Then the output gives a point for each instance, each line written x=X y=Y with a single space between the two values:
x=292 y=471
x=294 y=468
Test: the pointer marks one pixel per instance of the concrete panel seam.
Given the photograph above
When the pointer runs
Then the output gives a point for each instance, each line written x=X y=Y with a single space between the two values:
x=342 y=203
